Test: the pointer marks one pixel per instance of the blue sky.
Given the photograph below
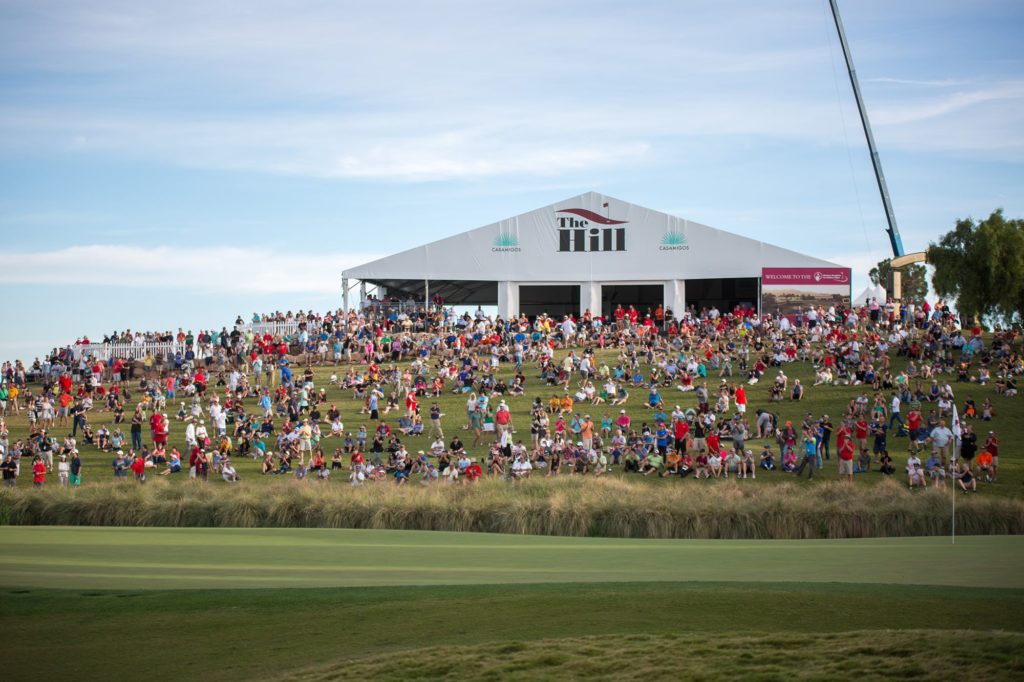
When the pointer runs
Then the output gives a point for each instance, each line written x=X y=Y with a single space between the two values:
x=176 y=164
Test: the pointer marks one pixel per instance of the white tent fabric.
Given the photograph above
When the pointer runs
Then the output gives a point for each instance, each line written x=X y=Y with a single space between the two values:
x=589 y=237
x=873 y=291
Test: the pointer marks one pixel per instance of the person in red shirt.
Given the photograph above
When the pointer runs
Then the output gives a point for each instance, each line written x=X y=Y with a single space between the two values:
x=741 y=399
x=992 y=446
x=681 y=432
x=154 y=424
x=139 y=468
x=473 y=472
x=914 y=425
x=38 y=472
x=619 y=314
x=860 y=430
x=713 y=442
x=846 y=448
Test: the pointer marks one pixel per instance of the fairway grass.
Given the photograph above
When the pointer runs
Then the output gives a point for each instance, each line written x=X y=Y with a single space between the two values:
x=185 y=558
x=318 y=632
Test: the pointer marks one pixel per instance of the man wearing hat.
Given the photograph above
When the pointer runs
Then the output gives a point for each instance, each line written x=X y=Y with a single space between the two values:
x=76 y=467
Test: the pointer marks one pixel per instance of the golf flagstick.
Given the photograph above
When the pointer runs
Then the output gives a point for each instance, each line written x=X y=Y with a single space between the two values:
x=956 y=449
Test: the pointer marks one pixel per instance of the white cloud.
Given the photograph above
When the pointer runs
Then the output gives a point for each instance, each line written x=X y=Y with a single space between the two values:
x=938 y=83
x=228 y=270
x=462 y=90
x=915 y=111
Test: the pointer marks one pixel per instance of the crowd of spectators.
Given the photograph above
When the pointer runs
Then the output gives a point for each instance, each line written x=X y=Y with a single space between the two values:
x=398 y=359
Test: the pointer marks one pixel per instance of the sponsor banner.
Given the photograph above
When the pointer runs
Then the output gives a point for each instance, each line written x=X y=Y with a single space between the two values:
x=775 y=276
x=790 y=292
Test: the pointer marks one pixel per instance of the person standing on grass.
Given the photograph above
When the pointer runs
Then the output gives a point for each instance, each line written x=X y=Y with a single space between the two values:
x=992 y=447
x=826 y=436
x=10 y=471
x=894 y=409
x=846 y=447
x=120 y=465
x=38 y=472
x=136 y=429
x=435 y=421
x=76 y=467
x=810 y=456
x=138 y=467
x=64 y=470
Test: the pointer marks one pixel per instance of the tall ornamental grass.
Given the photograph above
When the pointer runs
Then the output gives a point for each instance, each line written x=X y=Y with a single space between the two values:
x=566 y=506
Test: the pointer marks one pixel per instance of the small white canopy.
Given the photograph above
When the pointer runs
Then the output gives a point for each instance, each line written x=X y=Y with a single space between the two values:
x=876 y=291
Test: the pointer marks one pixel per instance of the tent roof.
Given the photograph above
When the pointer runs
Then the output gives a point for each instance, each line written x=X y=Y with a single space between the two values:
x=643 y=245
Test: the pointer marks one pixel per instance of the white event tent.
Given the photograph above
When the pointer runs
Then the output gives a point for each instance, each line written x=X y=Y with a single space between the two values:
x=587 y=252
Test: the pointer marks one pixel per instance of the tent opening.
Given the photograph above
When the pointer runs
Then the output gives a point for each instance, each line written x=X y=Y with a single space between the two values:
x=644 y=297
x=554 y=299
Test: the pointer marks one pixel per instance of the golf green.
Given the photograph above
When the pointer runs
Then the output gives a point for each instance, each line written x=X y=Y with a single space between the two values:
x=187 y=558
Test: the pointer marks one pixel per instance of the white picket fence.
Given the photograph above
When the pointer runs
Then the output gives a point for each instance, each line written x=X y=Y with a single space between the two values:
x=127 y=351
x=284 y=328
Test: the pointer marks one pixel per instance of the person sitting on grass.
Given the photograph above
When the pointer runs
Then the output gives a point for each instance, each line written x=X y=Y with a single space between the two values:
x=915 y=473
x=651 y=464
x=885 y=465
x=798 y=391
x=429 y=475
x=631 y=462
x=228 y=472
x=715 y=463
x=936 y=470
x=789 y=461
x=700 y=465
x=863 y=463
x=731 y=462
x=521 y=467
x=985 y=467
x=965 y=477
x=747 y=466
x=768 y=458
x=473 y=472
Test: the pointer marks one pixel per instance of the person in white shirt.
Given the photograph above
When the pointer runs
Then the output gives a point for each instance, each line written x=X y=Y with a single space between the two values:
x=64 y=470
x=522 y=467
x=228 y=473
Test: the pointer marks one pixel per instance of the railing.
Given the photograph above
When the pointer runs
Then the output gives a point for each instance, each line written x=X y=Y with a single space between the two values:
x=274 y=328
x=127 y=351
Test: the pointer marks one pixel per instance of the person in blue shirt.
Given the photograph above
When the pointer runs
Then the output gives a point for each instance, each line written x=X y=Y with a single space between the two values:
x=662 y=437
x=654 y=398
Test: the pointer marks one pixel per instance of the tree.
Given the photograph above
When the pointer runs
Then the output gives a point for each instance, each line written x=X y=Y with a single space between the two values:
x=914 y=284
x=981 y=265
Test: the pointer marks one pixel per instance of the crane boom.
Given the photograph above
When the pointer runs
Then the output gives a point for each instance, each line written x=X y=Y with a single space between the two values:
x=890 y=215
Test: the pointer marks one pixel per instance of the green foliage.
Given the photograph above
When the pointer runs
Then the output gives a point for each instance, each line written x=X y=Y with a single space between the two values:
x=914 y=282
x=980 y=264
